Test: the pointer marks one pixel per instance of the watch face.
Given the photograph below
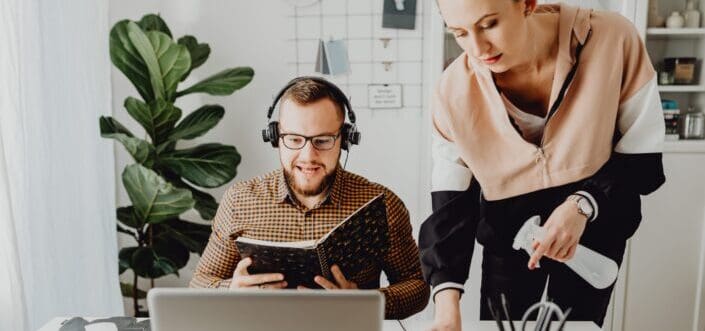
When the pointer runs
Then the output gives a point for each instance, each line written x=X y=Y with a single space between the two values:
x=585 y=206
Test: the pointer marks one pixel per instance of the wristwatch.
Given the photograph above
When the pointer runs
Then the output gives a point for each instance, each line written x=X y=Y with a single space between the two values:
x=584 y=205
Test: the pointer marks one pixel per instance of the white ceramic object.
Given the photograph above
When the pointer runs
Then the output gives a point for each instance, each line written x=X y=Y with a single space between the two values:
x=692 y=15
x=655 y=20
x=675 y=21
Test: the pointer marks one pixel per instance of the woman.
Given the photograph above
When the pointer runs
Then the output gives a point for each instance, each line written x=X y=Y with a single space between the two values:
x=553 y=111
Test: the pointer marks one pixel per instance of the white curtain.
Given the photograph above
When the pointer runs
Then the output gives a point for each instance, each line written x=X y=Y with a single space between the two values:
x=58 y=250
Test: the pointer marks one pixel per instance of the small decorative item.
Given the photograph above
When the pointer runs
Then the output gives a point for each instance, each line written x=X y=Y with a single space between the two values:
x=332 y=58
x=655 y=20
x=683 y=69
x=671 y=118
x=692 y=125
x=381 y=96
x=665 y=78
x=675 y=21
x=692 y=15
x=398 y=14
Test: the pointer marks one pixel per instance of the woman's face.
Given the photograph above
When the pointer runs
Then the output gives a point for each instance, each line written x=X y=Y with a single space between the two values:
x=492 y=31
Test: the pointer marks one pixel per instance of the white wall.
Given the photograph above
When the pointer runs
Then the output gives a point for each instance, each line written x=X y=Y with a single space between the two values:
x=394 y=148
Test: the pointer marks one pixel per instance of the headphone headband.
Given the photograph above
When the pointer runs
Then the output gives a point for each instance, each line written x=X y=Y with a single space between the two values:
x=337 y=92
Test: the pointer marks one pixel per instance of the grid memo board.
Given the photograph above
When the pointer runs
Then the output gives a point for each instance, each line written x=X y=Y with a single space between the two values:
x=377 y=55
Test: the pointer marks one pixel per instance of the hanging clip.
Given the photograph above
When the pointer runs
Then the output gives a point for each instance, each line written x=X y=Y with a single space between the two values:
x=387 y=65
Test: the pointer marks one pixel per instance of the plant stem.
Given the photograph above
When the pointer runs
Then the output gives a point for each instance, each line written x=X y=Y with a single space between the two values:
x=151 y=242
x=135 y=304
x=134 y=294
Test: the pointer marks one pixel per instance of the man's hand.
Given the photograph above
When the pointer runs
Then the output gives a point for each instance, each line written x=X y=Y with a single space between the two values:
x=341 y=283
x=243 y=279
x=564 y=228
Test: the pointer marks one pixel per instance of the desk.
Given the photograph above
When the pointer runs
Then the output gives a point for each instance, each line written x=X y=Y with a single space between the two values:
x=55 y=324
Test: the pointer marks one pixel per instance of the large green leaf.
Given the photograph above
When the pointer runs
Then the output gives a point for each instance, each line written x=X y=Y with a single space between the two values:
x=171 y=249
x=144 y=48
x=127 y=216
x=126 y=231
x=199 y=52
x=151 y=22
x=223 y=83
x=126 y=290
x=110 y=124
x=153 y=198
x=125 y=258
x=126 y=58
x=174 y=61
x=142 y=151
x=208 y=165
x=205 y=203
x=192 y=235
x=157 y=118
x=166 y=60
x=198 y=122
x=146 y=263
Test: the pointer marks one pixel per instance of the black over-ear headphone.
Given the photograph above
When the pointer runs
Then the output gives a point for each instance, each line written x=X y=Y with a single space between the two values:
x=348 y=134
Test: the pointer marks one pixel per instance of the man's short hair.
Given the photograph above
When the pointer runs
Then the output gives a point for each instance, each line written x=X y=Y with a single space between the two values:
x=307 y=91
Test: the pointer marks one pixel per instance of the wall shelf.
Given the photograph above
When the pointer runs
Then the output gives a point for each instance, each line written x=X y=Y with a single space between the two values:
x=684 y=146
x=682 y=88
x=657 y=33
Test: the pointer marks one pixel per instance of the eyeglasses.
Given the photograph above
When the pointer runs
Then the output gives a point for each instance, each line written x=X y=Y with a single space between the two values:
x=322 y=142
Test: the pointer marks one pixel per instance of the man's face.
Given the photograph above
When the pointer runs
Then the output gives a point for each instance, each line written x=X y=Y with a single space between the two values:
x=308 y=170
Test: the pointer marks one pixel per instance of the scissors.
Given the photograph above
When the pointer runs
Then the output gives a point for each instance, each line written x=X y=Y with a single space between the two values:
x=546 y=310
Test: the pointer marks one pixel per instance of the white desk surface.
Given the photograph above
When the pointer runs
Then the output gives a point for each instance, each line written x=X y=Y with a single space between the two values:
x=55 y=324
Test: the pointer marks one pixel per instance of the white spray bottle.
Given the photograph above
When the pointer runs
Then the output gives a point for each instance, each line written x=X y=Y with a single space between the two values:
x=597 y=269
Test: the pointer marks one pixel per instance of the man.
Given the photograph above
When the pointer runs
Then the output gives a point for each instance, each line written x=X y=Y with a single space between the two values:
x=305 y=199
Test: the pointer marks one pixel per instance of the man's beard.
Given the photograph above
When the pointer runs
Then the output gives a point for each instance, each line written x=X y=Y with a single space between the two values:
x=325 y=184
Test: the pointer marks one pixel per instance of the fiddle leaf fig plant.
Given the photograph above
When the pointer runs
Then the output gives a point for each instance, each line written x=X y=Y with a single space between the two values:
x=164 y=181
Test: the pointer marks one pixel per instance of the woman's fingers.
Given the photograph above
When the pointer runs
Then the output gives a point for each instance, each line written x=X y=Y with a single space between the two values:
x=543 y=247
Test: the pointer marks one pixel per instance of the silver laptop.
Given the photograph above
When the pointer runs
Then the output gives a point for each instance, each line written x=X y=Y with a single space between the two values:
x=183 y=309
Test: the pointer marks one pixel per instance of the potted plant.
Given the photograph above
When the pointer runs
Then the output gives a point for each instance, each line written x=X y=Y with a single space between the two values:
x=163 y=182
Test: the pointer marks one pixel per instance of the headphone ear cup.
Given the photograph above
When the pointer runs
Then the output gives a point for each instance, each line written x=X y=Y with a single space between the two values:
x=273 y=133
x=355 y=137
x=350 y=136
x=344 y=136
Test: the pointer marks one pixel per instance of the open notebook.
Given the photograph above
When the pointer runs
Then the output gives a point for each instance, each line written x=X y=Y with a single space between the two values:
x=360 y=239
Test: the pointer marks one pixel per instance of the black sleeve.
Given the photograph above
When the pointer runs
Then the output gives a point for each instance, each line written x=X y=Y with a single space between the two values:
x=616 y=188
x=447 y=237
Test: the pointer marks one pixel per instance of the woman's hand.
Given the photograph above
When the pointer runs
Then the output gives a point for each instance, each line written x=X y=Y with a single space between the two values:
x=564 y=228
x=447 y=311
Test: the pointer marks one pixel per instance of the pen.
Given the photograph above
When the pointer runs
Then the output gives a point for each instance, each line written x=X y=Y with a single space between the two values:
x=495 y=314
x=506 y=312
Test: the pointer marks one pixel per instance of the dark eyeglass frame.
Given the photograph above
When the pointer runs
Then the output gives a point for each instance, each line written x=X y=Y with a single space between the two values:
x=307 y=138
